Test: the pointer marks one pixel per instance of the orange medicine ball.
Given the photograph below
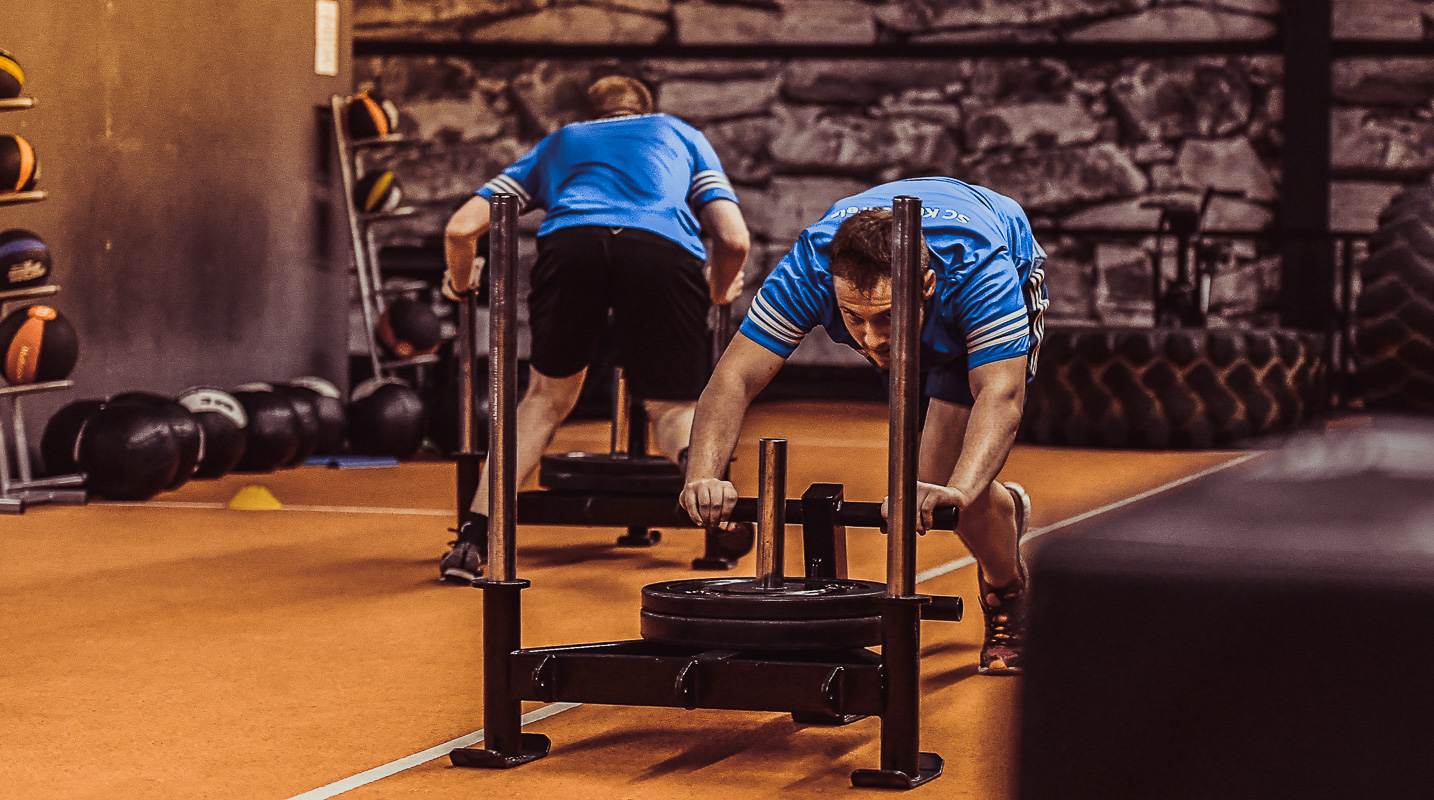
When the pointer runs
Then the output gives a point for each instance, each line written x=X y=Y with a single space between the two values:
x=19 y=168
x=39 y=345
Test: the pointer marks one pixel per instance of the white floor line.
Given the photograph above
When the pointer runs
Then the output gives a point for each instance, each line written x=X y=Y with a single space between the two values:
x=437 y=751
x=183 y=504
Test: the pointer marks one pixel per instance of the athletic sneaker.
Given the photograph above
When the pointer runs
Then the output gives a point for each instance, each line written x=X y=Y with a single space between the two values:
x=1005 y=608
x=462 y=564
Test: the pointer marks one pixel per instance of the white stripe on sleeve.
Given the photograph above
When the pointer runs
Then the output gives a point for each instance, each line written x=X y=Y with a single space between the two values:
x=774 y=323
x=1004 y=339
x=996 y=323
x=1016 y=325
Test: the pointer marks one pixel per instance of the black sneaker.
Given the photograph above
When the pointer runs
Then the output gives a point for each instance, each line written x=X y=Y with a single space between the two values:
x=462 y=564
x=1005 y=607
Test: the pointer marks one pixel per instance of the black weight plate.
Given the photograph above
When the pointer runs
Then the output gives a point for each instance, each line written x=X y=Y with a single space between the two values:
x=609 y=472
x=800 y=598
x=763 y=634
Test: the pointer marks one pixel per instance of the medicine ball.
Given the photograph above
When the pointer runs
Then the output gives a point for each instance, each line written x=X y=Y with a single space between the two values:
x=61 y=438
x=273 y=428
x=186 y=429
x=128 y=452
x=39 y=345
x=24 y=259
x=330 y=407
x=226 y=429
x=377 y=192
x=386 y=418
x=19 y=168
x=307 y=417
x=369 y=115
x=409 y=328
x=12 y=78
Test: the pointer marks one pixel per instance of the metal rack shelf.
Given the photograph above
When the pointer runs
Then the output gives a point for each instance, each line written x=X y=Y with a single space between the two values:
x=24 y=489
x=16 y=198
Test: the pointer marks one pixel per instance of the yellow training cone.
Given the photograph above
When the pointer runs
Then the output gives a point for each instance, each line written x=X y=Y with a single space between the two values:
x=255 y=498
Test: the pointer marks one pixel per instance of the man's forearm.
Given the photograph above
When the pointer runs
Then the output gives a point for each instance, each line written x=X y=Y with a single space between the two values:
x=990 y=433
x=715 y=428
x=459 y=253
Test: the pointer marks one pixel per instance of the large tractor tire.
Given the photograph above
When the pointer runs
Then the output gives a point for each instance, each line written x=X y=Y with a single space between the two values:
x=1394 y=318
x=1171 y=387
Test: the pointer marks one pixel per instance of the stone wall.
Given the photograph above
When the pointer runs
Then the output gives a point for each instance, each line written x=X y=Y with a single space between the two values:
x=1081 y=143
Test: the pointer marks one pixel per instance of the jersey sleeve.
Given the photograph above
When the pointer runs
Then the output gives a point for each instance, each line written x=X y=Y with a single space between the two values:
x=787 y=306
x=520 y=179
x=991 y=314
x=709 y=182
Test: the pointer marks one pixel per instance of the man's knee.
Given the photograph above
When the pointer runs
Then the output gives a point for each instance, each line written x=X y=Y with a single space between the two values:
x=559 y=394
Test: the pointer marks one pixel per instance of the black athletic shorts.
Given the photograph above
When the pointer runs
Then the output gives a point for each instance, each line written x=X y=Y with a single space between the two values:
x=657 y=295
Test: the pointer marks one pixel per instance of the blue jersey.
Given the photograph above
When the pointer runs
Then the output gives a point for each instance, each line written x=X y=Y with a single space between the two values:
x=990 y=285
x=651 y=171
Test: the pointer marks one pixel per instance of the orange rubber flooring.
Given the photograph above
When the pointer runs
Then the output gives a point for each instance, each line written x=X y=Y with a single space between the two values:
x=178 y=649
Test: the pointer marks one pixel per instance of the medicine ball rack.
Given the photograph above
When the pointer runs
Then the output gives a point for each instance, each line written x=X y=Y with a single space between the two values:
x=22 y=490
x=361 y=239
x=728 y=665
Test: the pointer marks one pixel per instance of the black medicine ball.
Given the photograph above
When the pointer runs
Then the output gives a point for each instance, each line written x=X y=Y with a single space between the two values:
x=409 y=328
x=226 y=429
x=306 y=414
x=386 y=418
x=12 y=78
x=19 y=167
x=370 y=115
x=128 y=452
x=188 y=433
x=61 y=438
x=329 y=404
x=38 y=344
x=24 y=259
x=273 y=428
x=377 y=192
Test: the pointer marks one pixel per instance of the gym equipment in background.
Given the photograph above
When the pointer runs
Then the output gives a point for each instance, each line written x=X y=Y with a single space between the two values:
x=128 y=451
x=187 y=432
x=306 y=418
x=273 y=434
x=12 y=78
x=827 y=686
x=386 y=418
x=378 y=192
x=24 y=259
x=409 y=328
x=329 y=405
x=22 y=488
x=39 y=344
x=226 y=429
x=61 y=437
x=19 y=166
x=358 y=123
x=369 y=115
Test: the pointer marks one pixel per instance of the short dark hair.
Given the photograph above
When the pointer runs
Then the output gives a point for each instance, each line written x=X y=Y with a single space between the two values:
x=618 y=94
x=861 y=250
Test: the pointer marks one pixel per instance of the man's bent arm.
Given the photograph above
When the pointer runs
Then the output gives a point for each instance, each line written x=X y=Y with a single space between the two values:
x=745 y=369
x=460 y=241
x=1000 y=392
x=722 y=221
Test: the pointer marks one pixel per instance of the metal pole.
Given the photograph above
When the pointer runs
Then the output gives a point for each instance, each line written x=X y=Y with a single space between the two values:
x=357 y=238
x=906 y=283
x=470 y=460
x=503 y=366
x=621 y=412
x=771 y=512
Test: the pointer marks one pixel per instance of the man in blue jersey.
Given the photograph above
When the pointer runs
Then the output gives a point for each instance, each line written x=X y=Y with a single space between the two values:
x=628 y=195
x=984 y=293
